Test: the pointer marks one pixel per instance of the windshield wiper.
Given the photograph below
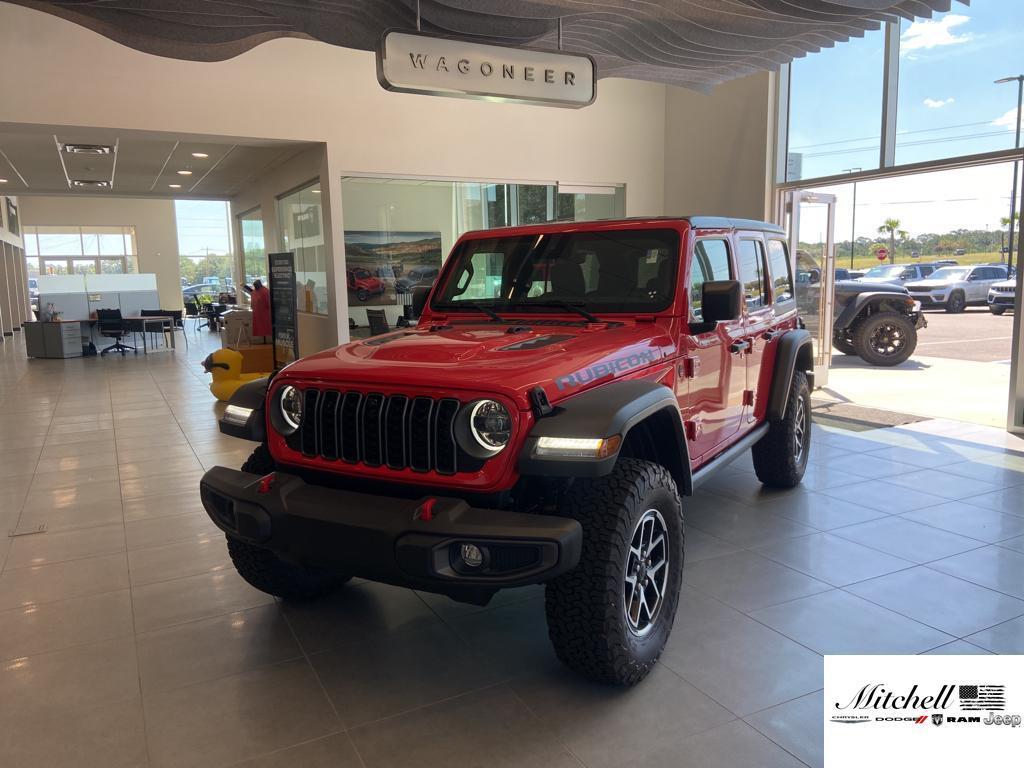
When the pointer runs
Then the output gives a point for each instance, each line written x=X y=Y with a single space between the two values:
x=560 y=305
x=474 y=305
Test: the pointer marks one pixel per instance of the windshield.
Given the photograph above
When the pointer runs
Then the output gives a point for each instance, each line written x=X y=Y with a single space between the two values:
x=949 y=273
x=615 y=271
x=891 y=271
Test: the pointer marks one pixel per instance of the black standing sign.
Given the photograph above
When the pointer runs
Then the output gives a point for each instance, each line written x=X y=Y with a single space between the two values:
x=282 y=308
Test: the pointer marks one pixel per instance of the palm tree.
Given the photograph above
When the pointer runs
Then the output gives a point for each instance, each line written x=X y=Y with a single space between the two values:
x=891 y=227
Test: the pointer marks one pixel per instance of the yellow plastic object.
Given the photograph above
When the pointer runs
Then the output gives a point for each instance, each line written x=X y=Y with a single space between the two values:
x=225 y=365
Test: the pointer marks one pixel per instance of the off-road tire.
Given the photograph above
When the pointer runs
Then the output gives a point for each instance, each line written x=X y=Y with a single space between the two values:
x=843 y=345
x=362 y=294
x=269 y=573
x=776 y=462
x=864 y=329
x=585 y=608
x=996 y=310
x=956 y=303
x=260 y=462
x=265 y=570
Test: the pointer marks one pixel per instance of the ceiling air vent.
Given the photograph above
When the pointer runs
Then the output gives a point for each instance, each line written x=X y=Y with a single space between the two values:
x=87 y=149
x=90 y=184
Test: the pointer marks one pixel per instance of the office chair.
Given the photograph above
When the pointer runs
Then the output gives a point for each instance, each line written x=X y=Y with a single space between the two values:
x=112 y=326
x=378 y=321
x=192 y=313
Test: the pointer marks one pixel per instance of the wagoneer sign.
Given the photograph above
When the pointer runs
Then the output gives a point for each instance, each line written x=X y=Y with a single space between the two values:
x=438 y=66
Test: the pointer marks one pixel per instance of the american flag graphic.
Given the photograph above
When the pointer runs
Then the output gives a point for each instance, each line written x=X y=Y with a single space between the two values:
x=982 y=697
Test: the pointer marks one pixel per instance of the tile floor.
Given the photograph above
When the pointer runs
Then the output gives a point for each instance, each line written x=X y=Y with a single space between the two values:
x=126 y=639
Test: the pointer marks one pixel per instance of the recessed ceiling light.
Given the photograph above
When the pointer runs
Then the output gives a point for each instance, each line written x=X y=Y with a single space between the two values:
x=200 y=155
x=88 y=149
x=174 y=186
x=184 y=173
x=3 y=181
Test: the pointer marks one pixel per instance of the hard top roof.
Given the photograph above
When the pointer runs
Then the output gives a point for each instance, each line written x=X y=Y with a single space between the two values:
x=696 y=222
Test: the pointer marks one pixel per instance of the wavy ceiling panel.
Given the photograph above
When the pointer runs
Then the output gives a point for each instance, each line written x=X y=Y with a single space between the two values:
x=693 y=43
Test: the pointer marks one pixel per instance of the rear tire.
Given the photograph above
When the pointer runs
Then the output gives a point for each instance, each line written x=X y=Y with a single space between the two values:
x=956 y=303
x=599 y=619
x=265 y=570
x=780 y=457
x=996 y=310
x=885 y=338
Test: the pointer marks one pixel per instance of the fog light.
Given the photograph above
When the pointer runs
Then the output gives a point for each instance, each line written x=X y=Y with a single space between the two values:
x=471 y=555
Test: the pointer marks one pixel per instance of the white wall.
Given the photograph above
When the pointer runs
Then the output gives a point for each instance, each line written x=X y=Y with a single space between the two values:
x=156 y=230
x=718 y=149
x=310 y=91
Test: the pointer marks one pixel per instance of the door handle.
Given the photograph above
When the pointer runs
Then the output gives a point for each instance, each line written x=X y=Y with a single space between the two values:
x=739 y=346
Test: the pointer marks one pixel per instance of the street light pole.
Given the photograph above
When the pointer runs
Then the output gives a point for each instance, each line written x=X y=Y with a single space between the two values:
x=853 y=217
x=1016 y=145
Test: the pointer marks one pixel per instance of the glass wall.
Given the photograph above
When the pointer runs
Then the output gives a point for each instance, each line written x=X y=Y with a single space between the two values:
x=949 y=104
x=300 y=217
x=62 y=250
x=835 y=109
x=204 y=248
x=946 y=101
x=398 y=231
x=254 y=252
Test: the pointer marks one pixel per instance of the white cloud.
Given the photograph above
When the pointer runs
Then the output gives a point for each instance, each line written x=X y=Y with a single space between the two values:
x=1008 y=120
x=922 y=35
x=937 y=103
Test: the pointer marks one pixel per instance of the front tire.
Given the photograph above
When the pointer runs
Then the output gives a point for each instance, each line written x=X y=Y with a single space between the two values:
x=996 y=310
x=265 y=570
x=362 y=295
x=885 y=338
x=610 y=617
x=956 y=303
x=780 y=457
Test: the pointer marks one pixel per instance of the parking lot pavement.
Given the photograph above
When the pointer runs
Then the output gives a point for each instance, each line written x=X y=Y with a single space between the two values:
x=976 y=334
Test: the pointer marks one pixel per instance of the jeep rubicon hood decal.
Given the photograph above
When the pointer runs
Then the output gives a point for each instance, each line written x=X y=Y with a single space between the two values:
x=486 y=357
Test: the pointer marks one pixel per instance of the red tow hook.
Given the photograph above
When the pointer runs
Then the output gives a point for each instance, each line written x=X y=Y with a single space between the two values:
x=266 y=483
x=425 y=511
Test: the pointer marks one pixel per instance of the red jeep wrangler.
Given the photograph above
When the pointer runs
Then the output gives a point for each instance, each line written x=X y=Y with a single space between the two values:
x=565 y=386
x=364 y=283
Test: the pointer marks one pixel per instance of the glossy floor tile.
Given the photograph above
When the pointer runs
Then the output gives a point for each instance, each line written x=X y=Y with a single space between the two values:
x=127 y=638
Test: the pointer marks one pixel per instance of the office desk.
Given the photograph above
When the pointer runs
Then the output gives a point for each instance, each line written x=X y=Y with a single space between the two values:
x=54 y=338
x=139 y=324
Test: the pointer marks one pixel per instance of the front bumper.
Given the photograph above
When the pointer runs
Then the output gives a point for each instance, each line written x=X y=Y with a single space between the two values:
x=932 y=299
x=411 y=543
x=1001 y=299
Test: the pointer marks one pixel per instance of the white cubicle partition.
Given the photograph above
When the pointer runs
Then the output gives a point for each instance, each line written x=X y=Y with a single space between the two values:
x=78 y=296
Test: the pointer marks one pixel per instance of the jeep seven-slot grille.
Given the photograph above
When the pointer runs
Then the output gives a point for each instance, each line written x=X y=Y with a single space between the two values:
x=396 y=431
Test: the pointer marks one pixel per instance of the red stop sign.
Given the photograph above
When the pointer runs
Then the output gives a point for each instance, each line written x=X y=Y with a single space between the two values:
x=882 y=254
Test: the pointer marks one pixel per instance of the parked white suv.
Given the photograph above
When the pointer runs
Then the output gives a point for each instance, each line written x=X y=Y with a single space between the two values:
x=956 y=287
x=898 y=274
x=1001 y=296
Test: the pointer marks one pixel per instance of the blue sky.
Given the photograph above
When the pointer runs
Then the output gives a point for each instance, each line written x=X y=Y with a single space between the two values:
x=202 y=224
x=948 y=105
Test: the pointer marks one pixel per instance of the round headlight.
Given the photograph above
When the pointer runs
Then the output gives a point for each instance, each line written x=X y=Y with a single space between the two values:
x=290 y=400
x=490 y=425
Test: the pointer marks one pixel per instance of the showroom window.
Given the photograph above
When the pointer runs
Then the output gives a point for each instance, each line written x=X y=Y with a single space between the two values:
x=254 y=251
x=66 y=250
x=300 y=217
x=204 y=248
x=400 y=230
x=949 y=104
x=835 y=109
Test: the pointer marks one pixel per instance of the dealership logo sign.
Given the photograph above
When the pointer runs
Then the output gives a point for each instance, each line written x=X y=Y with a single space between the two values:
x=438 y=66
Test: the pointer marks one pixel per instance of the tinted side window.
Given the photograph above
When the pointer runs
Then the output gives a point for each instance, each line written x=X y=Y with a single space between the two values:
x=752 y=273
x=710 y=262
x=782 y=275
x=925 y=271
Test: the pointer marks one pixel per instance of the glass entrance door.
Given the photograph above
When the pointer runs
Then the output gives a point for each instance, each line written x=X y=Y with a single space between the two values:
x=810 y=219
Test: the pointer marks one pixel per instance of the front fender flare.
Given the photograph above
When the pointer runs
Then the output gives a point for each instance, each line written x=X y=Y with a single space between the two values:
x=854 y=306
x=245 y=415
x=795 y=352
x=612 y=409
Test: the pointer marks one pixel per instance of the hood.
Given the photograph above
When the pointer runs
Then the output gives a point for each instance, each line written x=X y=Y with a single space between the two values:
x=927 y=285
x=895 y=280
x=1011 y=283
x=847 y=288
x=499 y=358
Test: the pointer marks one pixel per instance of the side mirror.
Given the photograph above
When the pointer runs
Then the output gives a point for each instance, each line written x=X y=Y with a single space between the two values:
x=419 y=299
x=721 y=300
